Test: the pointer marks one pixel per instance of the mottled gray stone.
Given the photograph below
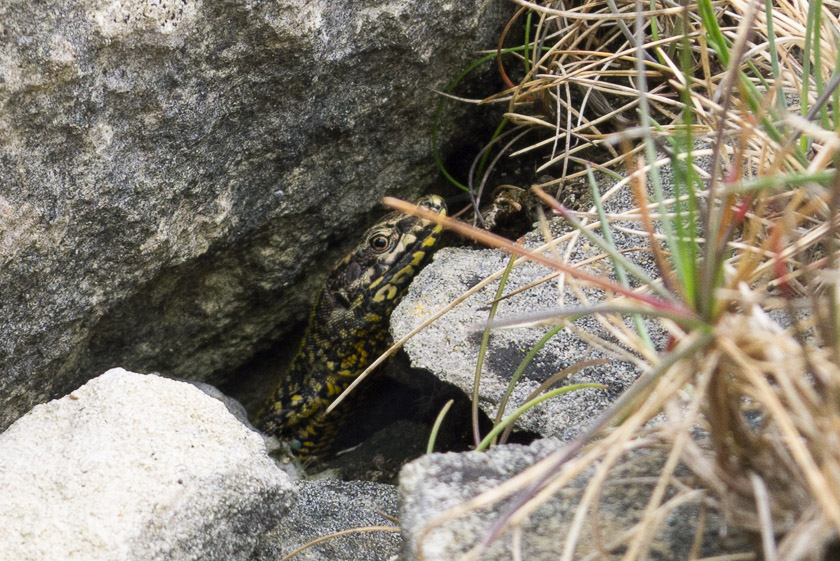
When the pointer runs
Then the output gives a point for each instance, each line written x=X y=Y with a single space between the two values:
x=449 y=347
x=433 y=484
x=133 y=466
x=174 y=175
x=329 y=506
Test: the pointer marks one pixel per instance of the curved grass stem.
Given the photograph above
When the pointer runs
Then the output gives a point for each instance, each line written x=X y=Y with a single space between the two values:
x=530 y=404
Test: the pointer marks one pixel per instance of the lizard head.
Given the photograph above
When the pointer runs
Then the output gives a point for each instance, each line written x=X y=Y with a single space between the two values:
x=375 y=275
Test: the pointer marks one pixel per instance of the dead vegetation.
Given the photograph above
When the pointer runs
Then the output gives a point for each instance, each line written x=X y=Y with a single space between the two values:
x=739 y=100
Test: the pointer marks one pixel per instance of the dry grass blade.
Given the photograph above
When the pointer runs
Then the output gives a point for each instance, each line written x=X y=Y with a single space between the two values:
x=759 y=377
x=541 y=481
x=493 y=240
x=322 y=539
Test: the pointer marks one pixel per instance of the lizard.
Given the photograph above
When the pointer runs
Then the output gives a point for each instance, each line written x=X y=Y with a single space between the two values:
x=348 y=328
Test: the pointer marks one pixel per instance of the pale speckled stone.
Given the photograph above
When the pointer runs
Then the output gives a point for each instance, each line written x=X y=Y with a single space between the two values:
x=135 y=467
x=449 y=347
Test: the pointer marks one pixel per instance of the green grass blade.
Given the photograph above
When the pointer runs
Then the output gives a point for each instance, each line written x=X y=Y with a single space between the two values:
x=525 y=407
x=620 y=271
x=714 y=34
x=482 y=350
x=526 y=43
x=804 y=141
x=835 y=94
x=521 y=369
x=774 y=54
x=646 y=123
x=430 y=447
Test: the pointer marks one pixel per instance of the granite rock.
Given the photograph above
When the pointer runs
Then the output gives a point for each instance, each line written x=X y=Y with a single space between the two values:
x=133 y=466
x=434 y=484
x=449 y=347
x=174 y=175
x=328 y=506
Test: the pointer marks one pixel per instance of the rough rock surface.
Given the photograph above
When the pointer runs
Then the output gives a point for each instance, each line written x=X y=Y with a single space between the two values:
x=449 y=347
x=171 y=169
x=133 y=466
x=330 y=506
x=433 y=484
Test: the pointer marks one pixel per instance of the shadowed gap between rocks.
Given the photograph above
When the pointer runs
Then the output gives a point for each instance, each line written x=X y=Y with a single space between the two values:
x=390 y=419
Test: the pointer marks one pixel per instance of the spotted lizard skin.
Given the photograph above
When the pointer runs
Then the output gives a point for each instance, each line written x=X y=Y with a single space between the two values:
x=348 y=328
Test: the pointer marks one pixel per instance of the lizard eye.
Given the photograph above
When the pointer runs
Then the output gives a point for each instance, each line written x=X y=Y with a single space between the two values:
x=379 y=243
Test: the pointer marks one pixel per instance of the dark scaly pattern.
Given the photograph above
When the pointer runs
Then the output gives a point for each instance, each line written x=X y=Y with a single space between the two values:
x=348 y=328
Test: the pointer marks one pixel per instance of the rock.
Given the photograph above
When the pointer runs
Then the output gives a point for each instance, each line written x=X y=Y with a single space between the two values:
x=436 y=483
x=175 y=175
x=389 y=423
x=233 y=406
x=449 y=347
x=329 y=506
x=281 y=452
x=133 y=466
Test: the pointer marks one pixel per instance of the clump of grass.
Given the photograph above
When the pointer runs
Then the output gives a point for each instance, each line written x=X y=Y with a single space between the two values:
x=746 y=246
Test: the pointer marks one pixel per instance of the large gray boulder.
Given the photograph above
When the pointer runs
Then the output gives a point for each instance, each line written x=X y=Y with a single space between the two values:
x=175 y=175
x=139 y=467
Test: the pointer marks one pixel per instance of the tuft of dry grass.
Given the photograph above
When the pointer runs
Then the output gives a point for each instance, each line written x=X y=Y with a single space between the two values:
x=739 y=99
